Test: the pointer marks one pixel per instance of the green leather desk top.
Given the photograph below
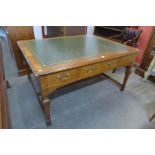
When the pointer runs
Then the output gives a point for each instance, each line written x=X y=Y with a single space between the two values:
x=60 y=50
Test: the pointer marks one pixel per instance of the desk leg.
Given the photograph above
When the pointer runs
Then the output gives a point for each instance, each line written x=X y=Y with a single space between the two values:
x=127 y=73
x=45 y=102
x=46 y=108
x=43 y=97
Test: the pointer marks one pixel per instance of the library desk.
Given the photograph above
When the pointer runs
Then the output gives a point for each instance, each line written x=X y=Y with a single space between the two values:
x=59 y=61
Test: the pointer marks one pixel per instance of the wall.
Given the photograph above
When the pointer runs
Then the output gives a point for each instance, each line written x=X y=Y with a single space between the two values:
x=143 y=40
x=37 y=32
x=90 y=30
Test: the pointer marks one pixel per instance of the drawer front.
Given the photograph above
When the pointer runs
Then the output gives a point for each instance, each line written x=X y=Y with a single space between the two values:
x=69 y=76
x=108 y=65
x=62 y=78
x=126 y=60
x=89 y=70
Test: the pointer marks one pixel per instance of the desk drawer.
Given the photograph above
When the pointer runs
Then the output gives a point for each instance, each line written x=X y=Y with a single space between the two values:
x=108 y=65
x=126 y=60
x=62 y=78
x=89 y=70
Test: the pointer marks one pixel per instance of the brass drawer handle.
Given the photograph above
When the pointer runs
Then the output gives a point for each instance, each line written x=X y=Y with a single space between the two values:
x=64 y=76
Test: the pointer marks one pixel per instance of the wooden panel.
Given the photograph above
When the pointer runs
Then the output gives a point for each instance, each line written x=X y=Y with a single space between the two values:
x=55 y=31
x=76 y=30
x=4 y=113
x=16 y=33
x=44 y=85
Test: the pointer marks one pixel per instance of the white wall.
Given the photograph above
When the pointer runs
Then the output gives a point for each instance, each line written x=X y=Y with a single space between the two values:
x=90 y=30
x=45 y=30
x=37 y=32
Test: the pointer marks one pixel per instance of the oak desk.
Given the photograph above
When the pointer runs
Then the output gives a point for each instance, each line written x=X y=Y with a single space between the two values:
x=63 y=60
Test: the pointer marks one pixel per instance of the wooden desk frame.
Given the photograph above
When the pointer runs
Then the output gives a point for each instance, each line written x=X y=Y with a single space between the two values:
x=56 y=76
x=5 y=122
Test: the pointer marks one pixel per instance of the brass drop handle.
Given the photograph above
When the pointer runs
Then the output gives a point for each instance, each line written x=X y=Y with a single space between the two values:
x=64 y=76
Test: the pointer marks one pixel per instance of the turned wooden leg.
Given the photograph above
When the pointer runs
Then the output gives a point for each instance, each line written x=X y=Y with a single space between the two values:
x=127 y=73
x=46 y=108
